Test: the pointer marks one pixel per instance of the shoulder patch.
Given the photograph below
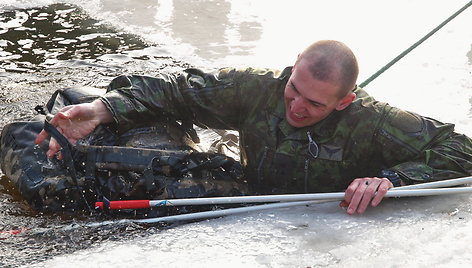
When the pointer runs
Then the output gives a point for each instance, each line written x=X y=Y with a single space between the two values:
x=405 y=121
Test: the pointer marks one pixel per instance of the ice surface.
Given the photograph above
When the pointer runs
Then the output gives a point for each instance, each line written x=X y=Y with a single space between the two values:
x=433 y=80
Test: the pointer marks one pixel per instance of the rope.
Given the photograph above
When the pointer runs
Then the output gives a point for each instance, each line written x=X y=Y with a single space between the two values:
x=404 y=53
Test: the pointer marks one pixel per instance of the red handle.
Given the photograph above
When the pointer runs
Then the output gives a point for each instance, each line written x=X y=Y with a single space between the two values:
x=126 y=204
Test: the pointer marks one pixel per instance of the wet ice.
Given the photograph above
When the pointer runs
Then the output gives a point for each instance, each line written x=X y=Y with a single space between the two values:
x=433 y=80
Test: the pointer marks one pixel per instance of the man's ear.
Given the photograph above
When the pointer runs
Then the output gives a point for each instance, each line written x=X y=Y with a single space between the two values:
x=346 y=101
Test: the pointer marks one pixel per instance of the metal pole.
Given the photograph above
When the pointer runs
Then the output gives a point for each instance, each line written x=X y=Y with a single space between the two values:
x=301 y=197
x=411 y=190
x=233 y=211
x=224 y=212
x=436 y=184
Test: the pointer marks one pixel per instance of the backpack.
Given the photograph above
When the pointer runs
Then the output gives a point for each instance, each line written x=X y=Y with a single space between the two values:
x=157 y=161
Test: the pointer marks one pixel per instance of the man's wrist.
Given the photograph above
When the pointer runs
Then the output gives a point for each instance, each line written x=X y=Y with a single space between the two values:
x=392 y=176
x=101 y=112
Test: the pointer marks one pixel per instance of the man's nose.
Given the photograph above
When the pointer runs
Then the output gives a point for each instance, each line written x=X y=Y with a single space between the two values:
x=298 y=104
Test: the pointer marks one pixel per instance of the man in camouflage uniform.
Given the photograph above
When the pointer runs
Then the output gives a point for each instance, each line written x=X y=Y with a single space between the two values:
x=305 y=129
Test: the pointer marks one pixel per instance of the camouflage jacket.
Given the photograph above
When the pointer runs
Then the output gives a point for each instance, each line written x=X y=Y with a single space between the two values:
x=365 y=138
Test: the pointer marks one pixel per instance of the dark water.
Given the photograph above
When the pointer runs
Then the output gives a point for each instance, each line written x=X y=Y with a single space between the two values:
x=49 y=48
x=60 y=46
x=58 y=32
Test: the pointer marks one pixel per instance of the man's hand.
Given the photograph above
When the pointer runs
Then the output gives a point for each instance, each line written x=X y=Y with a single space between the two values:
x=363 y=191
x=76 y=122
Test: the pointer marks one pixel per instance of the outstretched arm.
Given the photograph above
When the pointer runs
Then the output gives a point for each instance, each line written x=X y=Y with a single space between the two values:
x=76 y=122
x=418 y=149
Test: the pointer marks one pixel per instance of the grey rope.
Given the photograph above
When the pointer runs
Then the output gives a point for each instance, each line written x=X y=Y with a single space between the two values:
x=388 y=65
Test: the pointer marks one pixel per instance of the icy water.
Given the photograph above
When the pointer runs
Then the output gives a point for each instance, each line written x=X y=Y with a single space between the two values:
x=49 y=44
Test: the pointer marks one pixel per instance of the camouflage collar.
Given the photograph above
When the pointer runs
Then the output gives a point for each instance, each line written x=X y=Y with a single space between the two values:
x=323 y=129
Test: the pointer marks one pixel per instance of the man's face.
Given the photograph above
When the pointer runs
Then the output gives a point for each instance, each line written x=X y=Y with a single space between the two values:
x=308 y=100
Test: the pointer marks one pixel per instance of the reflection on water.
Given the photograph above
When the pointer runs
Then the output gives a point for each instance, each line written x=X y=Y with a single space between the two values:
x=194 y=23
x=39 y=37
x=190 y=25
x=89 y=42
x=209 y=29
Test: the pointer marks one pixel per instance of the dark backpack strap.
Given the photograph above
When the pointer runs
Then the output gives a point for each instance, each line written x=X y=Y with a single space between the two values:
x=148 y=174
x=90 y=175
x=214 y=162
x=128 y=158
x=67 y=152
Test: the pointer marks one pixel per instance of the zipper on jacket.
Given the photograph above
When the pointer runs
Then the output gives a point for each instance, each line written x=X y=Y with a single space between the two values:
x=261 y=164
x=398 y=141
x=313 y=148
x=307 y=161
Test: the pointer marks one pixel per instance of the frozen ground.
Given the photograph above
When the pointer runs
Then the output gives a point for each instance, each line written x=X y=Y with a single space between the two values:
x=400 y=233
x=106 y=38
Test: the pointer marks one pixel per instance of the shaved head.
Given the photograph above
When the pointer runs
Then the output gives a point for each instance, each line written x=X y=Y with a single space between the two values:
x=334 y=62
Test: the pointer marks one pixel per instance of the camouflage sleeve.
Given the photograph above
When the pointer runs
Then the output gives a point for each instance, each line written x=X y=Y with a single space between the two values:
x=421 y=149
x=218 y=100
